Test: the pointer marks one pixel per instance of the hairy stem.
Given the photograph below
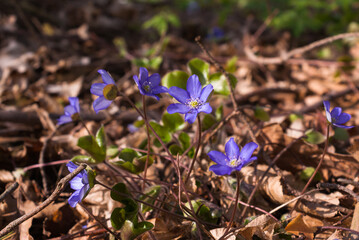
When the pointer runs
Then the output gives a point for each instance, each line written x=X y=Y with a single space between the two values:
x=148 y=142
x=198 y=146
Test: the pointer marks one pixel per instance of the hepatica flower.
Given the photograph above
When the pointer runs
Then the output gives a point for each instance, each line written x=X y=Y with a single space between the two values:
x=107 y=91
x=192 y=101
x=71 y=111
x=336 y=117
x=80 y=183
x=149 y=85
x=234 y=159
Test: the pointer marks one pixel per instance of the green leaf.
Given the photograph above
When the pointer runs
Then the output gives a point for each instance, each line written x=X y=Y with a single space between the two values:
x=175 y=78
x=231 y=65
x=120 y=215
x=149 y=196
x=173 y=122
x=185 y=140
x=155 y=62
x=208 y=121
x=293 y=117
x=162 y=132
x=205 y=210
x=91 y=176
x=200 y=68
x=90 y=145
x=308 y=172
x=119 y=192
x=175 y=149
x=314 y=137
x=101 y=138
x=261 y=114
x=140 y=163
x=139 y=123
x=83 y=159
x=341 y=134
x=219 y=113
x=112 y=151
x=142 y=227
x=219 y=83
x=128 y=154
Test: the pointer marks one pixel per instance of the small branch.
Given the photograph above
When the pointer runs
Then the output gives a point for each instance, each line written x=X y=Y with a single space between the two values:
x=9 y=190
x=59 y=188
x=338 y=228
x=338 y=187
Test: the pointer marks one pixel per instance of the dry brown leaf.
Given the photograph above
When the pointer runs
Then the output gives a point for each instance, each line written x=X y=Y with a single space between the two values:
x=299 y=226
x=263 y=227
x=217 y=233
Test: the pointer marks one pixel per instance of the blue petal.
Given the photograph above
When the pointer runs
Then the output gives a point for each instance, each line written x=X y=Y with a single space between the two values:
x=221 y=169
x=76 y=183
x=179 y=94
x=101 y=103
x=194 y=86
x=69 y=110
x=152 y=95
x=143 y=75
x=232 y=149
x=71 y=166
x=106 y=77
x=97 y=89
x=327 y=110
x=190 y=117
x=84 y=190
x=178 y=108
x=159 y=89
x=206 y=91
x=342 y=126
x=206 y=108
x=247 y=151
x=155 y=79
x=336 y=112
x=74 y=199
x=64 y=119
x=218 y=157
x=343 y=118
x=248 y=161
x=74 y=101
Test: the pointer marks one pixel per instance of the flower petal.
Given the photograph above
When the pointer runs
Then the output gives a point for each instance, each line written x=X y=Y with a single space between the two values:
x=69 y=110
x=343 y=118
x=206 y=108
x=74 y=101
x=153 y=95
x=327 y=110
x=221 y=169
x=335 y=113
x=76 y=183
x=143 y=75
x=71 y=166
x=190 y=117
x=101 y=103
x=64 y=119
x=232 y=149
x=106 y=77
x=178 y=108
x=206 y=91
x=218 y=157
x=247 y=151
x=194 y=86
x=74 y=199
x=155 y=79
x=249 y=161
x=342 y=126
x=159 y=89
x=97 y=89
x=179 y=94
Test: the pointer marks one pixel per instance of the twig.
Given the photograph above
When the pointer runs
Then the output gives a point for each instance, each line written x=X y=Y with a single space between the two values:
x=281 y=59
x=59 y=188
x=338 y=187
x=98 y=220
x=197 y=148
x=338 y=228
x=148 y=142
x=9 y=190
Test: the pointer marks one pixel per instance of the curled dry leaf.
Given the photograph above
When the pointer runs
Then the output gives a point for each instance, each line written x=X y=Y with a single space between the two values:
x=263 y=227
x=303 y=225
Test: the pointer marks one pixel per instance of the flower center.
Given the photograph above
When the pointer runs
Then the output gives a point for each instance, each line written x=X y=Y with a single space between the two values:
x=110 y=91
x=234 y=162
x=75 y=117
x=194 y=103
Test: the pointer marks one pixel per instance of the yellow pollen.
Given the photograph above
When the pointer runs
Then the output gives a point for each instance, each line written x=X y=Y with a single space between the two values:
x=194 y=104
x=147 y=88
x=233 y=163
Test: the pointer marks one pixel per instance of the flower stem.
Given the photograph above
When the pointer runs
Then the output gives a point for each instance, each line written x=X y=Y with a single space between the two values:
x=316 y=170
x=83 y=123
x=235 y=208
x=148 y=141
x=199 y=131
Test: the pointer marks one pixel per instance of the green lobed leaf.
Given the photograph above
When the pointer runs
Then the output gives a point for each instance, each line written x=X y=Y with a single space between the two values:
x=173 y=122
x=219 y=83
x=261 y=114
x=128 y=154
x=90 y=145
x=162 y=132
x=140 y=163
x=314 y=137
x=119 y=192
x=149 y=196
x=142 y=227
x=208 y=121
x=200 y=68
x=101 y=138
x=341 y=134
x=112 y=151
x=82 y=159
x=293 y=117
x=120 y=215
x=308 y=172
x=185 y=140
x=175 y=78
x=231 y=65
x=219 y=113
x=205 y=210
x=175 y=149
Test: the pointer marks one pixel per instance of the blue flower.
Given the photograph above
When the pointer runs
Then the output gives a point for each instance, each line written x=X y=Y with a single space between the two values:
x=80 y=183
x=106 y=91
x=234 y=159
x=192 y=101
x=336 y=117
x=149 y=85
x=71 y=111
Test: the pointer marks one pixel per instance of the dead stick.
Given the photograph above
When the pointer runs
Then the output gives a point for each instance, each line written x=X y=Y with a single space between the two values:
x=9 y=190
